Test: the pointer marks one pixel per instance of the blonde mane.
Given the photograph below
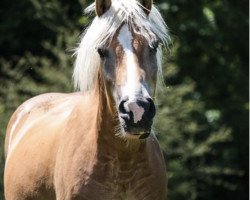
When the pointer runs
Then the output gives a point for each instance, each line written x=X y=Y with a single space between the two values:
x=103 y=30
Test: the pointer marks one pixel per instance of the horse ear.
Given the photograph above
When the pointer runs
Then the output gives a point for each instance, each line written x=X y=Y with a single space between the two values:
x=101 y=6
x=147 y=5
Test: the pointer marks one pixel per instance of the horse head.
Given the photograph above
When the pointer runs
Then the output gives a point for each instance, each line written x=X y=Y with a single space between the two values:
x=128 y=52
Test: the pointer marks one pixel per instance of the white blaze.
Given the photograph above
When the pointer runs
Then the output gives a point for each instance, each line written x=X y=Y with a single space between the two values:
x=132 y=85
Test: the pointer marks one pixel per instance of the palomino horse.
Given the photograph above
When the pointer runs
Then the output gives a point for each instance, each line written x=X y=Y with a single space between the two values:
x=95 y=144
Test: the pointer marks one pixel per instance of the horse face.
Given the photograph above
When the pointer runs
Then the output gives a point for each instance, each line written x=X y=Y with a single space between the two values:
x=130 y=67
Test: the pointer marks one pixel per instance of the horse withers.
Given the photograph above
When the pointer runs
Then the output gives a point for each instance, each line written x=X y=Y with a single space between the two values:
x=96 y=144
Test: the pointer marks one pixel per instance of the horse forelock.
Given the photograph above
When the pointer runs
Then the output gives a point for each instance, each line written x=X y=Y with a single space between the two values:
x=103 y=29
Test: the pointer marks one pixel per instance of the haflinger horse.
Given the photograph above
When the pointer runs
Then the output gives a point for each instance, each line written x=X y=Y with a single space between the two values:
x=96 y=144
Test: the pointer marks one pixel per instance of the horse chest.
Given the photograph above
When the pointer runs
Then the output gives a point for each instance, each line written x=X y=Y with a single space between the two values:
x=115 y=180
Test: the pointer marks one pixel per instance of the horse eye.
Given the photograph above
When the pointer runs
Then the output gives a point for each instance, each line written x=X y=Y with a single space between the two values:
x=102 y=52
x=154 y=46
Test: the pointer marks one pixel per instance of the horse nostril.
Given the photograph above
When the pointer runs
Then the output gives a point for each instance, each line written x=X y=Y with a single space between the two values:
x=148 y=106
x=123 y=113
x=152 y=109
x=122 y=105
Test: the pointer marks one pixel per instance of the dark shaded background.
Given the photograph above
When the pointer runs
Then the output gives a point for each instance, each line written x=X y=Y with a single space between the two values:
x=203 y=110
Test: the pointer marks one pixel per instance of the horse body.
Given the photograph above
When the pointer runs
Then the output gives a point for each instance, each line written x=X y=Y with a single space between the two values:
x=97 y=143
x=78 y=165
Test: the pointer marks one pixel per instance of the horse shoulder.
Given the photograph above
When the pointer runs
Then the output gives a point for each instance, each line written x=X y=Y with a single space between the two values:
x=32 y=140
x=25 y=112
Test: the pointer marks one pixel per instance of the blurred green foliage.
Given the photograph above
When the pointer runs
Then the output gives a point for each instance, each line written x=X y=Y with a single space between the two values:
x=202 y=121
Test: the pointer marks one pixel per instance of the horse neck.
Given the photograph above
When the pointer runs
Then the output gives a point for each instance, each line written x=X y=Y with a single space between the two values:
x=108 y=123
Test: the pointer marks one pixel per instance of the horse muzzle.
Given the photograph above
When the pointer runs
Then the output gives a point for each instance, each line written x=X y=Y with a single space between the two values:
x=137 y=116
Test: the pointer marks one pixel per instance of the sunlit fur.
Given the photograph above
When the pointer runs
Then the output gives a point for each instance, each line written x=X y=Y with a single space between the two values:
x=103 y=29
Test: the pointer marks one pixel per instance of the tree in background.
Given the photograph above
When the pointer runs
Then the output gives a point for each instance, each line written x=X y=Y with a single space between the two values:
x=211 y=58
x=202 y=120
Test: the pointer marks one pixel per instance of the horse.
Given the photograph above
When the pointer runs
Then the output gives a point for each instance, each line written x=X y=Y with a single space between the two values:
x=96 y=143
